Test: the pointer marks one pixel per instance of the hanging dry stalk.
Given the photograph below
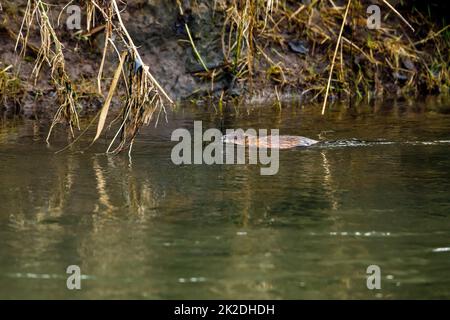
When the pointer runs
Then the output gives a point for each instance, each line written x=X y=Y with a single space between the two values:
x=50 y=53
x=144 y=95
x=112 y=89
x=142 y=101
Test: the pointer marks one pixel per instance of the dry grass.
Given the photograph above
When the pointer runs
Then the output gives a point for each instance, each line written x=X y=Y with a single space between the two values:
x=342 y=56
x=357 y=59
x=51 y=54
x=144 y=96
x=144 y=99
x=10 y=84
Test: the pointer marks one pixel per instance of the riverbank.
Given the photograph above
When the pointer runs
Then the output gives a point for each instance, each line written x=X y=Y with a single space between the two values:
x=247 y=51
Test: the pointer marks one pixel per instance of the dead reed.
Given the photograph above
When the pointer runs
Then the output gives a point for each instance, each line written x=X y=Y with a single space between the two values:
x=145 y=99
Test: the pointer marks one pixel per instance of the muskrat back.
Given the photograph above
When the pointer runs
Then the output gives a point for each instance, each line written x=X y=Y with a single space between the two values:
x=280 y=142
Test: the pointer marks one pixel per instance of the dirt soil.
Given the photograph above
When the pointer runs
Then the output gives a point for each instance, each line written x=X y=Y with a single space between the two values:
x=157 y=29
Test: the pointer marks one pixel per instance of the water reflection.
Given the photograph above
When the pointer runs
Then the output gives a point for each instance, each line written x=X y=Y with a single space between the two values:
x=150 y=229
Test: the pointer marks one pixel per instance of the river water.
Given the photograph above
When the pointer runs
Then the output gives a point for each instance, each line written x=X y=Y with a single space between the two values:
x=146 y=228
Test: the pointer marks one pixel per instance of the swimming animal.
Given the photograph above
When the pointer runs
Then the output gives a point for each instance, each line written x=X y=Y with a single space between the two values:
x=284 y=141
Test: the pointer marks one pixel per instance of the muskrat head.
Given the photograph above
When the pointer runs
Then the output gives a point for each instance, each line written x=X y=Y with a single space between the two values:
x=237 y=136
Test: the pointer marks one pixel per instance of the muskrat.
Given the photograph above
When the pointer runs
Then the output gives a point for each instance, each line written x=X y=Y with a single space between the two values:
x=284 y=141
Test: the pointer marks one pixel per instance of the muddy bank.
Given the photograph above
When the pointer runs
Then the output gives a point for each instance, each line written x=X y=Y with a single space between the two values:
x=286 y=51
